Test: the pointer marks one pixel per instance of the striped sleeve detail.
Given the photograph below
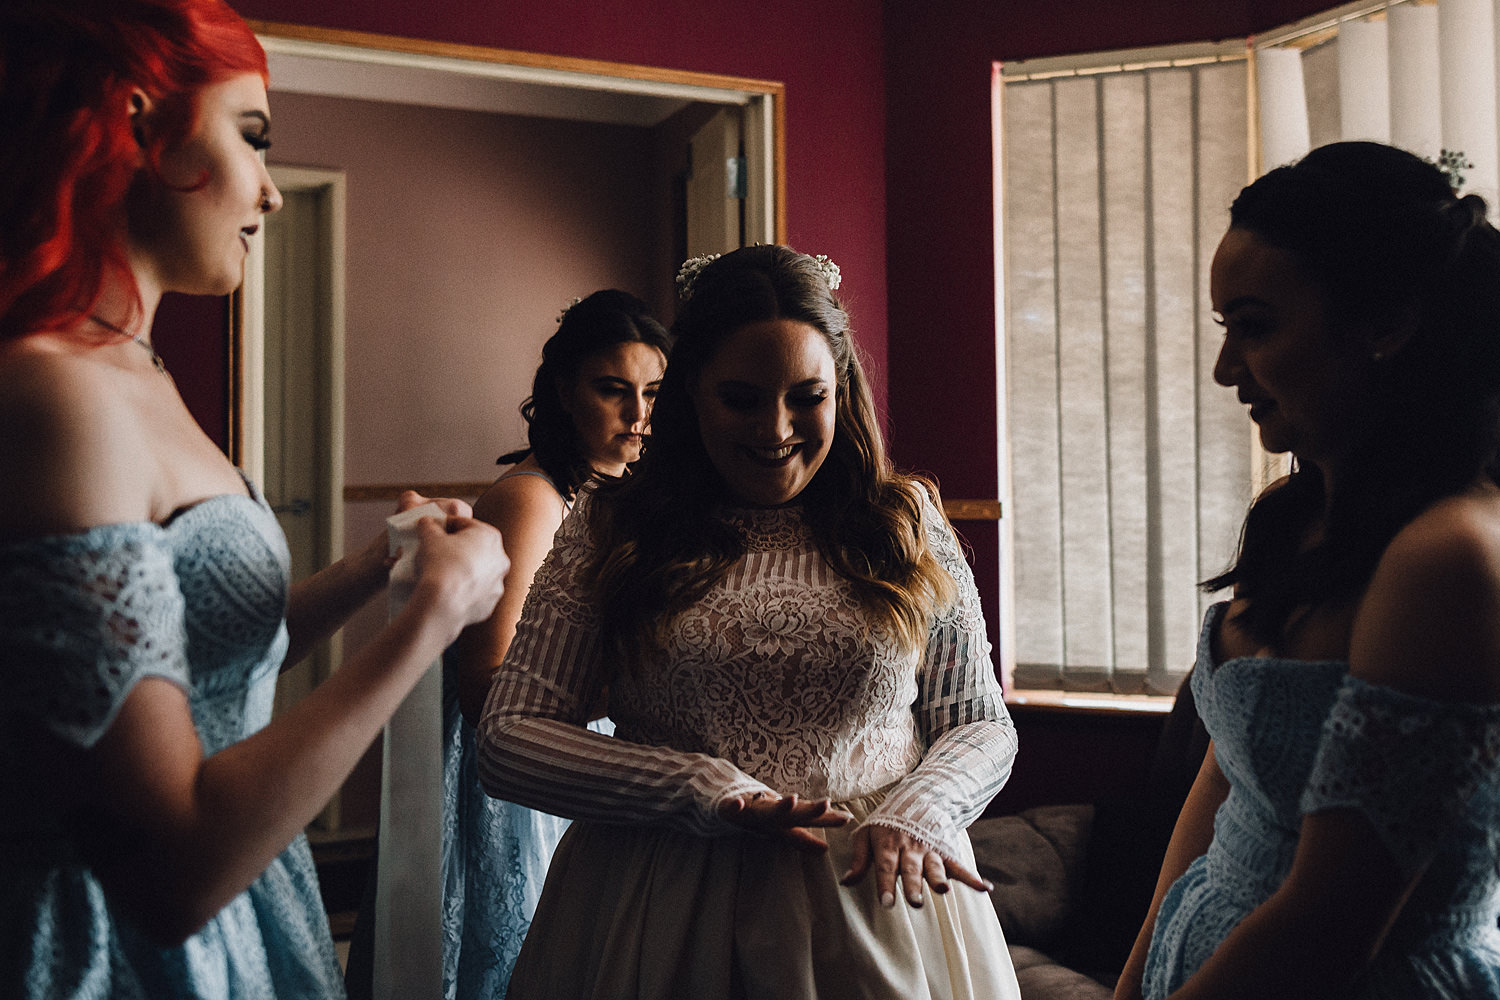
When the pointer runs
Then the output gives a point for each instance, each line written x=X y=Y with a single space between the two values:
x=534 y=748
x=971 y=741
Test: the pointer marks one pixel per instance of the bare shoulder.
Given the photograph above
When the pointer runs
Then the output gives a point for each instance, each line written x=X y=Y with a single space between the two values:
x=1429 y=624
x=522 y=506
x=70 y=454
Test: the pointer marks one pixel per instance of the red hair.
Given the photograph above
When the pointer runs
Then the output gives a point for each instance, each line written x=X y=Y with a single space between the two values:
x=69 y=154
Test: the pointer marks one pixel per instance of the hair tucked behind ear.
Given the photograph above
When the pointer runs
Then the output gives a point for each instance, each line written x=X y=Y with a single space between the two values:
x=866 y=518
x=67 y=70
x=590 y=326
x=1387 y=242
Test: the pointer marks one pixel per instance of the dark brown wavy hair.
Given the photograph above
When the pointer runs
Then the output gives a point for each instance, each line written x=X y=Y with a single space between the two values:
x=590 y=326
x=662 y=544
x=1385 y=239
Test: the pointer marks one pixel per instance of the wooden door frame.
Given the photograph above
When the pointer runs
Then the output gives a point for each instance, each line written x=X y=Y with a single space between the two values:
x=765 y=142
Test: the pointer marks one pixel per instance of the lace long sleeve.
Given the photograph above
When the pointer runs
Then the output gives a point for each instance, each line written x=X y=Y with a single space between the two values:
x=534 y=748
x=1415 y=769
x=83 y=618
x=961 y=713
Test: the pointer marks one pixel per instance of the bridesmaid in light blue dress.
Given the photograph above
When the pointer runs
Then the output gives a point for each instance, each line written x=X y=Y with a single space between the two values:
x=1342 y=837
x=588 y=416
x=150 y=809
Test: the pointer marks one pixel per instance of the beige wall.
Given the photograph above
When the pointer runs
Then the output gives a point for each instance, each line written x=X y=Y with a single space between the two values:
x=467 y=234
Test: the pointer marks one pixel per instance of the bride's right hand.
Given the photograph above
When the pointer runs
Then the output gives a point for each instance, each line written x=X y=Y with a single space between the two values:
x=788 y=817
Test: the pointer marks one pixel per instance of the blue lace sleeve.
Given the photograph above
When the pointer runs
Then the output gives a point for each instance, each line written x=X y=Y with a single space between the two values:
x=1414 y=768
x=83 y=618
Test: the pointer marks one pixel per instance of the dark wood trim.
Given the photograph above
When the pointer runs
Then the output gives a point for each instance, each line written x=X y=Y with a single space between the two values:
x=514 y=57
x=957 y=510
x=383 y=491
x=973 y=510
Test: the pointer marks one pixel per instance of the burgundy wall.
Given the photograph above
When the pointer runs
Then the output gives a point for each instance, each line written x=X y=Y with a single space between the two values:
x=189 y=332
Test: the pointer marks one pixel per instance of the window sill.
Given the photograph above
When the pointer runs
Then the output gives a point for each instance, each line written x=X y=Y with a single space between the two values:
x=1089 y=703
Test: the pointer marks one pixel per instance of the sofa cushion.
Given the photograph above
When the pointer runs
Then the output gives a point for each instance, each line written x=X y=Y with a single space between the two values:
x=1040 y=978
x=1035 y=859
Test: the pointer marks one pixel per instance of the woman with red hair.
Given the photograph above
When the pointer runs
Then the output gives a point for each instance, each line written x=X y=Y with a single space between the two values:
x=150 y=811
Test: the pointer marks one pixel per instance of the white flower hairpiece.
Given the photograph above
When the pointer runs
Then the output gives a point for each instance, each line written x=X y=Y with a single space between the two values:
x=688 y=273
x=830 y=271
x=693 y=266
x=571 y=303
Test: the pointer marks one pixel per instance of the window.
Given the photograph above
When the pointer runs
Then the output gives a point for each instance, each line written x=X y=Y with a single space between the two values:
x=1129 y=471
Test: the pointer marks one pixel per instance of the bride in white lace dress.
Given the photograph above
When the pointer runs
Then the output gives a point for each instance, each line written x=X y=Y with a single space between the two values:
x=807 y=714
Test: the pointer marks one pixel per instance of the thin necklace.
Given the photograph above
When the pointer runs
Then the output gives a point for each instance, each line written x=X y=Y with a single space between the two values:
x=156 y=360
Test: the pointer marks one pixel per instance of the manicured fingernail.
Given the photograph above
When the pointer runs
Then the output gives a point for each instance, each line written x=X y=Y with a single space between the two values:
x=941 y=887
x=915 y=899
x=888 y=899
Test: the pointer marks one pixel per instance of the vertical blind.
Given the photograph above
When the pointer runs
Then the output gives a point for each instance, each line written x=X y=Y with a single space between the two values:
x=1419 y=76
x=1130 y=470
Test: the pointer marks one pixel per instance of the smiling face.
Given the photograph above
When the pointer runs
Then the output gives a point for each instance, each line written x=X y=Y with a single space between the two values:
x=610 y=403
x=1304 y=385
x=190 y=229
x=766 y=405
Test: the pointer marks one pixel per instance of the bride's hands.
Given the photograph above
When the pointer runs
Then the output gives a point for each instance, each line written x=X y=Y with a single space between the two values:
x=785 y=816
x=901 y=861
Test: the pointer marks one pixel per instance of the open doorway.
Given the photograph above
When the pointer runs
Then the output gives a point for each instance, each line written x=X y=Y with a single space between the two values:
x=428 y=381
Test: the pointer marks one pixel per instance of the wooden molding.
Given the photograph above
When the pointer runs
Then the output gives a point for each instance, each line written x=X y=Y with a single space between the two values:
x=973 y=510
x=957 y=510
x=462 y=491
x=513 y=57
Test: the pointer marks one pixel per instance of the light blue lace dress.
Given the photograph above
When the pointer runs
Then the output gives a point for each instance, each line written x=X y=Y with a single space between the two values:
x=1295 y=737
x=83 y=618
x=495 y=858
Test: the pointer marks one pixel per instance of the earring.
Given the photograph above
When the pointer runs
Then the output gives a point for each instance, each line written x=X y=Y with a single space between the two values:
x=1377 y=357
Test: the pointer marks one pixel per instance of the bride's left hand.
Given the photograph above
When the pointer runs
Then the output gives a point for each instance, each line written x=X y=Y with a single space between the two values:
x=901 y=860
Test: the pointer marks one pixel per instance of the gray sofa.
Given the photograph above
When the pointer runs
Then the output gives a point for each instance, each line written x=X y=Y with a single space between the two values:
x=1072 y=882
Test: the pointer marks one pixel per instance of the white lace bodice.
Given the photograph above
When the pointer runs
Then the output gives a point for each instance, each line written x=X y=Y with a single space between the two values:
x=775 y=680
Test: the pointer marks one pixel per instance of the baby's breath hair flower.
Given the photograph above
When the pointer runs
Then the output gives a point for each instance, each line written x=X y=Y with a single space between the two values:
x=571 y=303
x=688 y=273
x=1452 y=163
x=830 y=271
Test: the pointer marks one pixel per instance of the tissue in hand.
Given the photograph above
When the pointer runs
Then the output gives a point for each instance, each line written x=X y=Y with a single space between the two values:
x=401 y=533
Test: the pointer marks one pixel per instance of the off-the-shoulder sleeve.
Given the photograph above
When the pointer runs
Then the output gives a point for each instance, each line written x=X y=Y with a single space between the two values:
x=961 y=713
x=1414 y=768
x=534 y=748
x=82 y=619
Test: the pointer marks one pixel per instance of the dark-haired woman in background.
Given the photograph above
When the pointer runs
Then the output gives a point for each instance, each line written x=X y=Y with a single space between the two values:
x=587 y=418
x=807 y=714
x=1341 y=839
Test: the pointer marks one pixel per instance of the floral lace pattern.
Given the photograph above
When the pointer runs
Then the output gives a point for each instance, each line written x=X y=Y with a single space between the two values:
x=1294 y=737
x=775 y=680
x=83 y=618
x=1425 y=774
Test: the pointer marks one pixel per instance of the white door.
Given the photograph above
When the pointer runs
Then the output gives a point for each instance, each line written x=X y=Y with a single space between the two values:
x=302 y=472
